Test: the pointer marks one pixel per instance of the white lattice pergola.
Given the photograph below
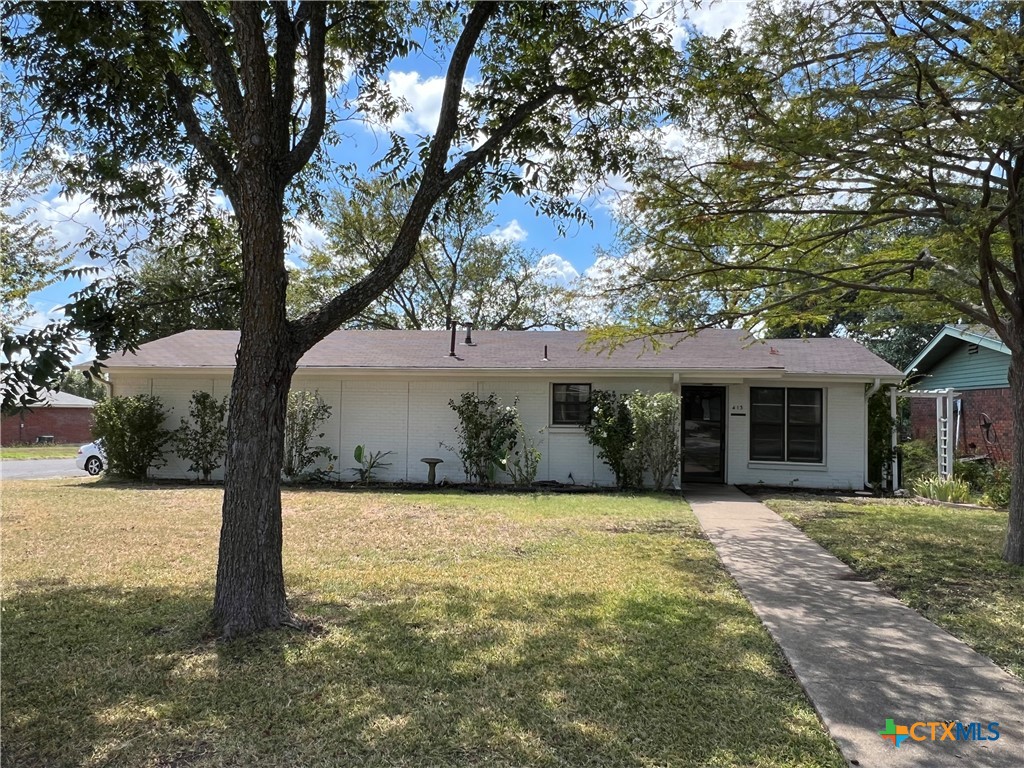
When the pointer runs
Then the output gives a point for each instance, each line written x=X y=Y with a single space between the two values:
x=947 y=427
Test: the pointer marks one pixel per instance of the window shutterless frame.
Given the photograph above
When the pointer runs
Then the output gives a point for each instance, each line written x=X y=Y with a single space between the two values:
x=570 y=404
x=786 y=424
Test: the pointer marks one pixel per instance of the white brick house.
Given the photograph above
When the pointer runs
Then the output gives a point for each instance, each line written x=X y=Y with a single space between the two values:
x=782 y=412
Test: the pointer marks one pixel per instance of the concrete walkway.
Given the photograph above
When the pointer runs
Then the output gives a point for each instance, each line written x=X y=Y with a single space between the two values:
x=862 y=656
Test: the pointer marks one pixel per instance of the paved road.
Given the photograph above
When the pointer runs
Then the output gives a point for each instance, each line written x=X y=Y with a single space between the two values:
x=39 y=468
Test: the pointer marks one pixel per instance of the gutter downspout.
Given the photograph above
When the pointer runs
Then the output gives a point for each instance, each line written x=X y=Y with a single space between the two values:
x=867 y=396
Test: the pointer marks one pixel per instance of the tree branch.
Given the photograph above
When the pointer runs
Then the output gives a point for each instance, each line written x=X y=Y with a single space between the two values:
x=303 y=150
x=222 y=68
x=433 y=183
x=209 y=150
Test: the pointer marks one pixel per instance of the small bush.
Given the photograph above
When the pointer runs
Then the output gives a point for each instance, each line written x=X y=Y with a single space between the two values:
x=919 y=459
x=934 y=487
x=997 y=487
x=656 y=434
x=203 y=438
x=488 y=434
x=522 y=463
x=611 y=431
x=132 y=433
x=880 y=424
x=975 y=473
x=306 y=412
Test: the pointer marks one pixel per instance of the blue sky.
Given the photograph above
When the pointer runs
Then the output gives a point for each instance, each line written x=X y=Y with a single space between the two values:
x=419 y=82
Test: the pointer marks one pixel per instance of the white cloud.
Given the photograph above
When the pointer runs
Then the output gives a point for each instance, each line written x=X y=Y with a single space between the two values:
x=554 y=269
x=70 y=220
x=709 y=18
x=304 y=236
x=513 y=232
x=423 y=98
x=714 y=18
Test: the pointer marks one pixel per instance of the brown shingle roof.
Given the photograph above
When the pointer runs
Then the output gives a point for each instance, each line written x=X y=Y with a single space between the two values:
x=710 y=350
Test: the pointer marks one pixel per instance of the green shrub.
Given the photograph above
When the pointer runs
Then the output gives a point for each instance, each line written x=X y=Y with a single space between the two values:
x=919 y=458
x=611 y=431
x=997 y=487
x=975 y=473
x=655 y=434
x=369 y=462
x=488 y=434
x=132 y=433
x=880 y=424
x=934 y=487
x=522 y=463
x=306 y=412
x=203 y=438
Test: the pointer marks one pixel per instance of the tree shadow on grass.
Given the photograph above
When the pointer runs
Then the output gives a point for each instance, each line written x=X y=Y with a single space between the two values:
x=437 y=675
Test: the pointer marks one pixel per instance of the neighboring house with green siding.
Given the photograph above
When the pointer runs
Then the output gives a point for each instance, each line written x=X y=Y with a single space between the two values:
x=972 y=360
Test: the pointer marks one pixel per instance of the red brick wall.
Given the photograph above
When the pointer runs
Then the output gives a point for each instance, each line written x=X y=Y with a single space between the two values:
x=994 y=403
x=67 y=425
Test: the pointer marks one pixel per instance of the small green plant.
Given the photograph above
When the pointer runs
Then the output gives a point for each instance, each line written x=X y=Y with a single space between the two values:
x=975 y=473
x=655 y=435
x=131 y=430
x=487 y=434
x=880 y=451
x=939 y=489
x=918 y=458
x=306 y=412
x=611 y=431
x=202 y=439
x=997 y=487
x=369 y=462
x=522 y=464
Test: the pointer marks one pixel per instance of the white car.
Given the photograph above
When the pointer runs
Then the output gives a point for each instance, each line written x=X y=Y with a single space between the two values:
x=91 y=458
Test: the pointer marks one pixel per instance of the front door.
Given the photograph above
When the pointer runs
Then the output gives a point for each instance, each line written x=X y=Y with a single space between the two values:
x=703 y=434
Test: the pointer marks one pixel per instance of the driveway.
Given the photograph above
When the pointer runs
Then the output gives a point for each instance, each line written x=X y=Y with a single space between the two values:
x=39 y=468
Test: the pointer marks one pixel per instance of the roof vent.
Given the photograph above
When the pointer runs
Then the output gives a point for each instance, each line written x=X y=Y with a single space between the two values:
x=469 y=335
x=972 y=349
x=545 y=358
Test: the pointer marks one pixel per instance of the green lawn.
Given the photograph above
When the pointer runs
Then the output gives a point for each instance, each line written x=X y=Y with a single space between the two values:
x=943 y=561
x=39 y=451
x=453 y=630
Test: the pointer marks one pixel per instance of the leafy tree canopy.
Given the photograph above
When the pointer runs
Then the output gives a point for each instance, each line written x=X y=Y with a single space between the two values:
x=843 y=150
x=843 y=155
x=30 y=259
x=154 y=103
x=461 y=271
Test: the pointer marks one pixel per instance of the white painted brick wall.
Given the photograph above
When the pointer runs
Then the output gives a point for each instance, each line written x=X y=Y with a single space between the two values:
x=844 y=443
x=431 y=422
x=375 y=414
x=410 y=417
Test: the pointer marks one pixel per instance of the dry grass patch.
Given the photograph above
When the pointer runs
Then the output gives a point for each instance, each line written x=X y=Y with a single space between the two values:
x=454 y=630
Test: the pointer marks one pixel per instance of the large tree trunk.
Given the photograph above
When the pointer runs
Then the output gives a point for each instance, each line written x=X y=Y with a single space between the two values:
x=1014 y=550
x=250 y=593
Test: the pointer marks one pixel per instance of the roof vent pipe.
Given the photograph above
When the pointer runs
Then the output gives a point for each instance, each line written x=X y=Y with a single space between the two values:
x=451 y=352
x=469 y=335
x=545 y=358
